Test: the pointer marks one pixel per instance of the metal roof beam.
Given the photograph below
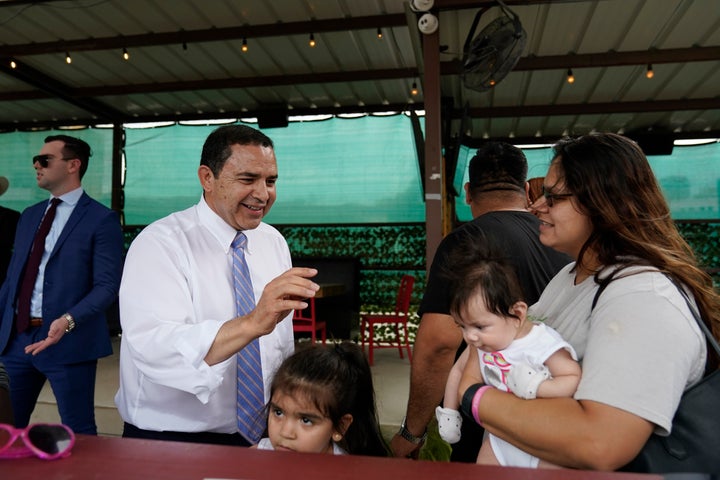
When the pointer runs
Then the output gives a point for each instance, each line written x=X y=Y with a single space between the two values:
x=466 y=4
x=239 y=82
x=57 y=89
x=368 y=109
x=207 y=35
x=607 y=59
x=491 y=112
x=592 y=108
x=677 y=55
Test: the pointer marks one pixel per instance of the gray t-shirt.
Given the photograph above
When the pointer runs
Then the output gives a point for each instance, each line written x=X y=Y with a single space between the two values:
x=640 y=347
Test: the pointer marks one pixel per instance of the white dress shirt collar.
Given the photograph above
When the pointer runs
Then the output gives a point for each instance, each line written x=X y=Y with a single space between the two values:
x=224 y=233
x=72 y=197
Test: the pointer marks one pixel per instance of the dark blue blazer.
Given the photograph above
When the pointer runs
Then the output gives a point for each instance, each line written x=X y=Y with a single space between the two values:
x=82 y=277
x=8 y=225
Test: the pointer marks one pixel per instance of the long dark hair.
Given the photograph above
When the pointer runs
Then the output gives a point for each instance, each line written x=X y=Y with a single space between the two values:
x=615 y=187
x=338 y=379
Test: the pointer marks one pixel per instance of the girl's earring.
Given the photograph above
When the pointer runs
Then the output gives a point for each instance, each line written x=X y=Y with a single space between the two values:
x=337 y=437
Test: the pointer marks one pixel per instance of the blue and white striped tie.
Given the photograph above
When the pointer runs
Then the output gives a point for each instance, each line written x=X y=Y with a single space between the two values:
x=250 y=391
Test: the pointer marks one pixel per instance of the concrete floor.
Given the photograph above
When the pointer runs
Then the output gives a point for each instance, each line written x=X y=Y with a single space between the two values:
x=391 y=377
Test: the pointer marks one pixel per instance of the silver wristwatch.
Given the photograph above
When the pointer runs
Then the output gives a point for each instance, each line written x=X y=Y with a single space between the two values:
x=407 y=435
x=71 y=322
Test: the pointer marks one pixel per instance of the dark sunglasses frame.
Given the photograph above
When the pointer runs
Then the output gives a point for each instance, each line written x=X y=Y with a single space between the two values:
x=551 y=198
x=44 y=159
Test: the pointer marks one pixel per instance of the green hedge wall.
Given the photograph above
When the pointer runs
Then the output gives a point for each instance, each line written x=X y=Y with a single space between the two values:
x=386 y=252
x=704 y=238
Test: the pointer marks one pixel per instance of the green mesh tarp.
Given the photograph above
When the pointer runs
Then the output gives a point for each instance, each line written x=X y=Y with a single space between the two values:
x=538 y=162
x=18 y=148
x=337 y=171
x=689 y=178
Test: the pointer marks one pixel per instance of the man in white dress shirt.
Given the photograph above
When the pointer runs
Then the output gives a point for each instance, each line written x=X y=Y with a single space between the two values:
x=180 y=332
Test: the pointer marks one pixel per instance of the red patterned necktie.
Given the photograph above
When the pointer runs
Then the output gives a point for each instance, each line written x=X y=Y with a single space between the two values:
x=32 y=266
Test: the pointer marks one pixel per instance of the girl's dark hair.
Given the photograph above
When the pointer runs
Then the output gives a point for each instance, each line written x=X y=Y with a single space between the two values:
x=478 y=266
x=338 y=379
x=615 y=187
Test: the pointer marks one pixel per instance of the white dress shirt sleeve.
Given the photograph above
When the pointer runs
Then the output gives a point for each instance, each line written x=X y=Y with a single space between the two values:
x=169 y=319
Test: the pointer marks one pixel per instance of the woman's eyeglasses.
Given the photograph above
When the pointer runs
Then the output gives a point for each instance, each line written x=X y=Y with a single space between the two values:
x=44 y=159
x=551 y=198
x=44 y=440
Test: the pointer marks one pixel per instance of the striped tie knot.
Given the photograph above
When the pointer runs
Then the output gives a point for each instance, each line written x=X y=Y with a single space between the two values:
x=239 y=241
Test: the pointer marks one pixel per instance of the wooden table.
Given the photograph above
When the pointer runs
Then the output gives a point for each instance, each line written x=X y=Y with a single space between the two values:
x=114 y=458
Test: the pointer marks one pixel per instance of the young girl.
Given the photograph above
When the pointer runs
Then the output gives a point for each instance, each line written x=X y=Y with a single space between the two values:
x=514 y=354
x=322 y=401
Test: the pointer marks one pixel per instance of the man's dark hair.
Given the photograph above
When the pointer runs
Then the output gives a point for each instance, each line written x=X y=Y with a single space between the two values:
x=74 y=148
x=497 y=166
x=216 y=149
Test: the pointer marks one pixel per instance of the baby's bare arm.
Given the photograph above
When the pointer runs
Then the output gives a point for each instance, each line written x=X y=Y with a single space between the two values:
x=471 y=374
x=565 y=374
x=451 y=399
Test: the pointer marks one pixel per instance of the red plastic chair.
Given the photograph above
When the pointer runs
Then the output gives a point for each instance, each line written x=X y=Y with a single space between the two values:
x=305 y=321
x=398 y=317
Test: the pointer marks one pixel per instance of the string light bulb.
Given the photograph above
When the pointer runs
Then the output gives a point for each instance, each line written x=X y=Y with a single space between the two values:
x=570 y=76
x=244 y=47
x=312 y=41
x=68 y=59
x=126 y=55
x=414 y=89
x=379 y=33
x=13 y=65
x=649 y=72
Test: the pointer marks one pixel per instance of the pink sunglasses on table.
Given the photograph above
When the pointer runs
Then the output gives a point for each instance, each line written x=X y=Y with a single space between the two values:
x=48 y=441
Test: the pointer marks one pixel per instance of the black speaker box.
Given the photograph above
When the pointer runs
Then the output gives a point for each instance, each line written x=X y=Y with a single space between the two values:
x=654 y=144
x=273 y=119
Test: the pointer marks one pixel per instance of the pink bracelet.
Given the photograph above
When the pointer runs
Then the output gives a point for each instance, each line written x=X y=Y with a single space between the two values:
x=476 y=401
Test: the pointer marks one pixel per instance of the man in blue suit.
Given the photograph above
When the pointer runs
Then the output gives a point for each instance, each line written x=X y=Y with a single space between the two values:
x=78 y=277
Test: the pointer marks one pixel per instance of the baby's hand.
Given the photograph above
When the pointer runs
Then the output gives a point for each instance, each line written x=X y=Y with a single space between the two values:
x=523 y=379
x=449 y=423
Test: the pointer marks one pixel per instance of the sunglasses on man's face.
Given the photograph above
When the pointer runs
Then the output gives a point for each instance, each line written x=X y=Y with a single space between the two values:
x=44 y=440
x=44 y=159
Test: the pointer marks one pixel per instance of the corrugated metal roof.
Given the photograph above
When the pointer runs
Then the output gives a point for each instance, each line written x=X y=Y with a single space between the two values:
x=186 y=61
